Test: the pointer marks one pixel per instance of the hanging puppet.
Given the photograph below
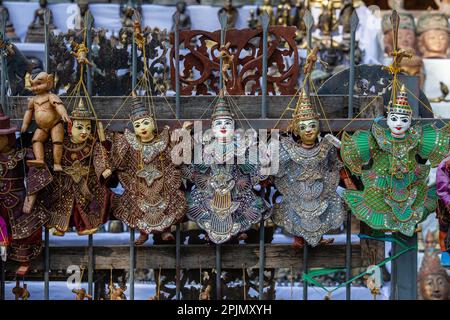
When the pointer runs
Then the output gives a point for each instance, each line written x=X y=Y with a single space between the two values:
x=391 y=164
x=307 y=179
x=20 y=231
x=152 y=201
x=77 y=195
x=443 y=211
x=223 y=201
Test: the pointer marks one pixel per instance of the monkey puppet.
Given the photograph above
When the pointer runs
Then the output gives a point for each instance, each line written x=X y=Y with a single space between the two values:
x=49 y=113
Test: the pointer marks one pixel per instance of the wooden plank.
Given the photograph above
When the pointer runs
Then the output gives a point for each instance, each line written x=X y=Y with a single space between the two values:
x=197 y=107
x=196 y=256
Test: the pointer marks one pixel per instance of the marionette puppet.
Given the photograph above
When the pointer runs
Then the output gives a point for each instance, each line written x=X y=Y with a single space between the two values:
x=308 y=175
x=443 y=210
x=49 y=114
x=223 y=201
x=391 y=164
x=20 y=232
x=77 y=196
x=152 y=201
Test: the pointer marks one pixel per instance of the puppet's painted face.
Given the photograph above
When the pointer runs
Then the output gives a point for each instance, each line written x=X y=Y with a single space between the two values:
x=144 y=128
x=81 y=130
x=308 y=130
x=434 y=287
x=223 y=129
x=398 y=124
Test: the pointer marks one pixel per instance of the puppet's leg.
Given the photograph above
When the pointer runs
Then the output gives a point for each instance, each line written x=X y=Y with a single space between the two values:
x=39 y=138
x=57 y=140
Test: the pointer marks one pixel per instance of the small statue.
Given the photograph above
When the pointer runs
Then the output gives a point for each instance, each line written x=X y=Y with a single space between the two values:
x=21 y=292
x=77 y=196
x=49 y=114
x=345 y=16
x=127 y=12
x=298 y=21
x=83 y=7
x=81 y=294
x=433 y=30
x=185 y=20
x=223 y=202
x=21 y=231
x=443 y=212
x=252 y=20
x=152 y=201
x=10 y=32
x=232 y=13
x=36 y=32
x=227 y=63
x=80 y=51
x=117 y=293
x=395 y=196
x=267 y=7
x=307 y=179
x=433 y=280
x=283 y=13
x=327 y=23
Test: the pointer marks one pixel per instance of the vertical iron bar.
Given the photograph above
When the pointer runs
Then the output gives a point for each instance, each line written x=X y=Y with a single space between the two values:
x=178 y=115
x=88 y=25
x=223 y=19
x=133 y=87
x=264 y=19
x=348 y=246
x=46 y=265
x=178 y=261
x=177 y=66
x=309 y=23
x=405 y=269
x=46 y=234
x=218 y=272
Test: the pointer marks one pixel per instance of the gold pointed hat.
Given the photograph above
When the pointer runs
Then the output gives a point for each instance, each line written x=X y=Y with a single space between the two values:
x=401 y=104
x=304 y=109
x=138 y=109
x=221 y=109
x=80 y=112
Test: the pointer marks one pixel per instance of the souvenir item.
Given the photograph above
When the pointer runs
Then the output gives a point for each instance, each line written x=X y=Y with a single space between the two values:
x=10 y=32
x=307 y=179
x=36 y=30
x=283 y=13
x=49 y=113
x=395 y=195
x=231 y=12
x=267 y=7
x=83 y=7
x=185 y=19
x=21 y=231
x=223 y=202
x=433 y=32
x=443 y=212
x=152 y=201
x=77 y=195
x=433 y=280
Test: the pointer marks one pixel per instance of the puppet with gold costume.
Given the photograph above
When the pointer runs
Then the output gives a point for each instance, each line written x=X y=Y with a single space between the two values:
x=152 y=200
x=307 y=178
x=77 y=196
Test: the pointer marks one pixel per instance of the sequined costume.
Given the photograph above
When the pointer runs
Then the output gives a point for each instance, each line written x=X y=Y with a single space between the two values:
x=25 y=230
x=443 y=212
x=307 y=179
x=76 y=197
x=395 y=195
x=152 y=200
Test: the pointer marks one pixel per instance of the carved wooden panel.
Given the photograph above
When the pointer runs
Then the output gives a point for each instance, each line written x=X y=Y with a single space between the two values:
x=200 y=62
